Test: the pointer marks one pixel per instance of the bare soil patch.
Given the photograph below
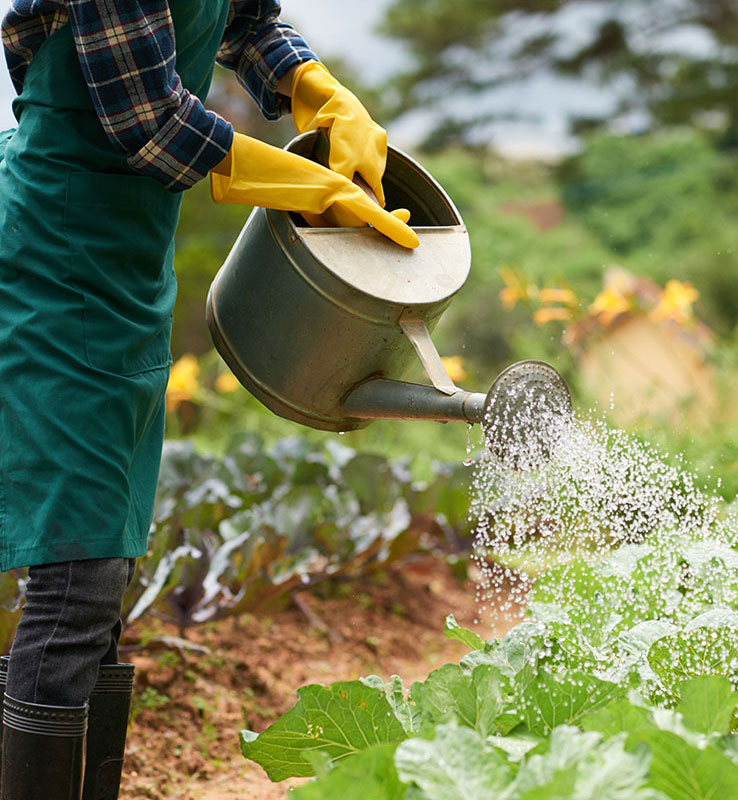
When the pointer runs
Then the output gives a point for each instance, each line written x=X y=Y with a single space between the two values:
x=190 y=706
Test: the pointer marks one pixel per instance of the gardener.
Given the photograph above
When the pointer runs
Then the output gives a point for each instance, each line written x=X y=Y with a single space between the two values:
x=109 y=134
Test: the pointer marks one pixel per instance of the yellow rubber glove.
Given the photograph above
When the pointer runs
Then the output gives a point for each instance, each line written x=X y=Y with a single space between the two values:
x=262 y=175
x=358 y=144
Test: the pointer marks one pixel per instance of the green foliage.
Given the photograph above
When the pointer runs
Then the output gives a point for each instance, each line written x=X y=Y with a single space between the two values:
x=634 y=50
x=455 y=764
x=12 y=593
x=338 y=721
x=205 y=234
x=454 y=631
x=373 y=769
x=239 y=532
x=666 y=206
x=594 y=695
x=707 y=704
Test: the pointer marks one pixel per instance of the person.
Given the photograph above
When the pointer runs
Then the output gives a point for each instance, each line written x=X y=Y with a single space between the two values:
x=111 y=128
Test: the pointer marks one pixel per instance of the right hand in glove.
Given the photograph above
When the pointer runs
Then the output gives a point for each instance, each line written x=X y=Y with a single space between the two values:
x=262 y=175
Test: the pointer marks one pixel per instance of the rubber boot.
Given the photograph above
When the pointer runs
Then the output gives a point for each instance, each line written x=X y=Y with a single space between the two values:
x=110 y=704
x=4 y=661
x=43 y=751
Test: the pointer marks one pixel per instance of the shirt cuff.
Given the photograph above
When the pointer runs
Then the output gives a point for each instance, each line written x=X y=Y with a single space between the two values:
x=263 y=63
x=186 y=147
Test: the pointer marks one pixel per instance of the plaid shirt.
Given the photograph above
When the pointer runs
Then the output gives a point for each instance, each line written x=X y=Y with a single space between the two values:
x=126 y=49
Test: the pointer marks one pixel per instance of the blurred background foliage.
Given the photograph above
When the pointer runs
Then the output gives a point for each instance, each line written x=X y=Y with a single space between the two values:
x=615 y=261
x=650 y=189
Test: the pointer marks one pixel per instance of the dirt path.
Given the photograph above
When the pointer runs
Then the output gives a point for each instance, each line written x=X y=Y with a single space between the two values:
x=184 y=740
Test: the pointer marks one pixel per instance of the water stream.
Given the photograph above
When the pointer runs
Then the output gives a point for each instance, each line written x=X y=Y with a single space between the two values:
x=608 y=539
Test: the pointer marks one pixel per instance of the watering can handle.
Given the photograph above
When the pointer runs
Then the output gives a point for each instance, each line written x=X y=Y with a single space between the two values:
x=417 y=333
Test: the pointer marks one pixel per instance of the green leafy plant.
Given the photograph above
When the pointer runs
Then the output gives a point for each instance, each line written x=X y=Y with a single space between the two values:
x=592 y=695
x=239 y=532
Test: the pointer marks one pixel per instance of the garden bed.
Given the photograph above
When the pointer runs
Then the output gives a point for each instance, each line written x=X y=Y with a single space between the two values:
x=190 y=706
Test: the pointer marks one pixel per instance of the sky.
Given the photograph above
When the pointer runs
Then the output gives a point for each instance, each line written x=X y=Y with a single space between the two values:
x=346 y=30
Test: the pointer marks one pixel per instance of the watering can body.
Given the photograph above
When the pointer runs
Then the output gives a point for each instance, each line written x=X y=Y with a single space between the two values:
x=306 y=316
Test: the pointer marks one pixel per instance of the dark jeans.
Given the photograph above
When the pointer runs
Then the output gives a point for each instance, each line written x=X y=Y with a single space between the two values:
x=70 y=625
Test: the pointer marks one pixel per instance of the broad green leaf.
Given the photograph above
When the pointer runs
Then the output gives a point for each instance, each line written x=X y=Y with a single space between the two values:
x=515 y=745
x=446 y=495
x=406 y=709
x=480 y=700
x=637 y=640
x=259 y=472
x=618 y=717
x=453 y=630
x=370 y=479
x=320 y=762
x=455 y=765
x=678 y=768
x=341 y=719
x=579 y=766
x=563 y=699
x=477 y=657
x=685 y=772
x=714 y=618
x=703 y=651
x=299 y=511
x=707 y=704
x=519 y=649
x=373 y=770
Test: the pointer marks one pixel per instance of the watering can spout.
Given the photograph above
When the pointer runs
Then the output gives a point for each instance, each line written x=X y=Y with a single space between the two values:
x=523 y=415
x=525 y=390
x=381 y=398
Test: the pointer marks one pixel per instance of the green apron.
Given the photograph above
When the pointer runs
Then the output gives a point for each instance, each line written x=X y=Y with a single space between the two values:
x=86 y=296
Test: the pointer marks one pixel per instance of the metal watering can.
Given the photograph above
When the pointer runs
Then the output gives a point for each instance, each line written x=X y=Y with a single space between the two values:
x=319 y=324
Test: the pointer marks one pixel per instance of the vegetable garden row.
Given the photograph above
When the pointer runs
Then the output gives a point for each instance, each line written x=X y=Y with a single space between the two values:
x=240 y=531
x=619 y=685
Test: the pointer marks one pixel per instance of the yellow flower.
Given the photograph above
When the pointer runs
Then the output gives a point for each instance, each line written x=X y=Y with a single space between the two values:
x=676 y=302
x=517 y=287
x=610 y=303
x=182 y=381
x=565 y=296
x=226 y=383
x=510 y=296
x=455 y=368
x=551 y=314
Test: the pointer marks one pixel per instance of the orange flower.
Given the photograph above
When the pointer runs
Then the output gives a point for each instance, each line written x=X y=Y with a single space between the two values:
x=610 y=303
x=517 y=287
x=564 y=296
x=455 y=368
x=551 y=314
x=182 y=381
x=226 y=383
x=676 y=302
x=510 y=296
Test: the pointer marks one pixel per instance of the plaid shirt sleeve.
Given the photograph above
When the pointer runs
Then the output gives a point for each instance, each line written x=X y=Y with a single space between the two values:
x=127 y=54
x=260 y=50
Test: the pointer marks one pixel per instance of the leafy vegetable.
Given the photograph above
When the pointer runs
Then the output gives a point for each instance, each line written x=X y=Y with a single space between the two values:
x=340 y=720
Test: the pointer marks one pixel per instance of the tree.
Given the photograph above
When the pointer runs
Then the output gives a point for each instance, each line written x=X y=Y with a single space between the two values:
x=665 y=61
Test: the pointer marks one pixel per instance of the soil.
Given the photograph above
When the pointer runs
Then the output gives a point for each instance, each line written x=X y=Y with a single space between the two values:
x=189 y=706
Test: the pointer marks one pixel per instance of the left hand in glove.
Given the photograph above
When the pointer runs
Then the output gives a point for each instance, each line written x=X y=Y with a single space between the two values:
x=357 y=143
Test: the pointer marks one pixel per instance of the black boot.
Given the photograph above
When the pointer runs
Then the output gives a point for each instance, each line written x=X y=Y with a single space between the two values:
x=43 y=751
x=4 y=661
x=110 y=703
